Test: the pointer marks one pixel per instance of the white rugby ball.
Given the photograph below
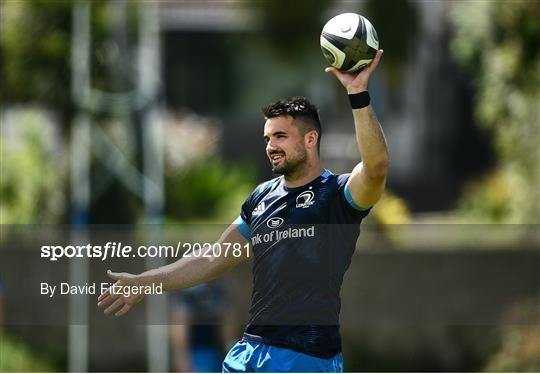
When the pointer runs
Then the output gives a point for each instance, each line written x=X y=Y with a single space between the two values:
x=349 y=42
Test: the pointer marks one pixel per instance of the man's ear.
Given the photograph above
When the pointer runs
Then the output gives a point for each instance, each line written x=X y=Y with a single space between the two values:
x=311 y=138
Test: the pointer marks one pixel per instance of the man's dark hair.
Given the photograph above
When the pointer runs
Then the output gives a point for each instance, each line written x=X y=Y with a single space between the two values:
x=300 y=109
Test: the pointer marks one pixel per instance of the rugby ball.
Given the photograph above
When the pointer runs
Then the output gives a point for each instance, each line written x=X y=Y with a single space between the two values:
x=349 y=42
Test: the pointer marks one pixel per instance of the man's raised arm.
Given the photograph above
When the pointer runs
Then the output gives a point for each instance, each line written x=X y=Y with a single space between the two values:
x=367 y=180
x=184 y=273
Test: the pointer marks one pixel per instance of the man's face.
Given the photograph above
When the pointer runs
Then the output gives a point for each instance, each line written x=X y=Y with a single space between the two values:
x=284 y=145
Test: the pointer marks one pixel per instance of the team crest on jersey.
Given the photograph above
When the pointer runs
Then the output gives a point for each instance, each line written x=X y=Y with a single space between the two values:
x=274 y=222
x=305 y=199
x=259 y=209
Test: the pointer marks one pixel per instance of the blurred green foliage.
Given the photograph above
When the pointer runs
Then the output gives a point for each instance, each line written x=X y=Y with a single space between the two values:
x=519 y=350
x=15 y=356
x=396 y=34
x=31 y=183
x=486 y=200
x=207 y=189
x=392 y=210
x=34 y=45
x=498 y=43
x=427 y=347
x=291 y=28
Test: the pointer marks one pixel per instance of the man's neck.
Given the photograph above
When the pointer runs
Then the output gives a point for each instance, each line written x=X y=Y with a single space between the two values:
x=305 y=175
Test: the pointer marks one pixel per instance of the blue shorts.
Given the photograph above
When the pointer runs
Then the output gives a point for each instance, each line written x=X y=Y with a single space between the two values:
x=250 y=356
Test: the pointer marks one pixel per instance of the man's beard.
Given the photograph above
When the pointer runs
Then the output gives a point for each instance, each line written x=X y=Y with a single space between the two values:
x=290 y=167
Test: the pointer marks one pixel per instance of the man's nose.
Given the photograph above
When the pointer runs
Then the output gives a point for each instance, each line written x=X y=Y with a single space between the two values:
x=270 y=146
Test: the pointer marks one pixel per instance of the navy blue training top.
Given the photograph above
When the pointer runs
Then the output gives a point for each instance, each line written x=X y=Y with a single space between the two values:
x=303 y=239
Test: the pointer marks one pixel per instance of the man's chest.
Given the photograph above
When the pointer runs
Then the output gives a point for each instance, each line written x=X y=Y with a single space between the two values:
x=309 y=206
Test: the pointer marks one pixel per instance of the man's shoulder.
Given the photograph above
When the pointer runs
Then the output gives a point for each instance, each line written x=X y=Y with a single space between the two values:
x=343 y=178
x=267 y=185
x=255 y=201
x=339 y=179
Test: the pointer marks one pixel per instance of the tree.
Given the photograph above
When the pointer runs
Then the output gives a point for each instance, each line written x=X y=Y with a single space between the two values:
x=497 y=42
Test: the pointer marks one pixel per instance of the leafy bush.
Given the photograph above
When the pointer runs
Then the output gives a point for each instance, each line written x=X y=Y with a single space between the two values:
x=207 y=189
x=31 y=182
x=15 y=356
x=520 y=340
x=487 y=200
x=520 y=351
x=391 y=210
x=497 y=42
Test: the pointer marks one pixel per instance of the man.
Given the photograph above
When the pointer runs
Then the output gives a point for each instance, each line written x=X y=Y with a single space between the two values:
x=1 y=310
x=303 y=227
x=199 y=332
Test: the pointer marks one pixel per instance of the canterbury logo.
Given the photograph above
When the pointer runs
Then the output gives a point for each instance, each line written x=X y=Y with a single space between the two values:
x=259 y=209
x=305 y=199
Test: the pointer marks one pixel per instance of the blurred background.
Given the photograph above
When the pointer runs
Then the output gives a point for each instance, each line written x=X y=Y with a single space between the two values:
x=148 y=112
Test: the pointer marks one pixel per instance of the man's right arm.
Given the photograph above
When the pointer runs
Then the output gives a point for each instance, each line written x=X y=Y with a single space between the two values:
x=190 y=271
x=184 y=273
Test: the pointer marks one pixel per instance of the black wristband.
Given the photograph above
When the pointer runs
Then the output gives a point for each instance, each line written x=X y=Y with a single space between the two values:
x=359 y=100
